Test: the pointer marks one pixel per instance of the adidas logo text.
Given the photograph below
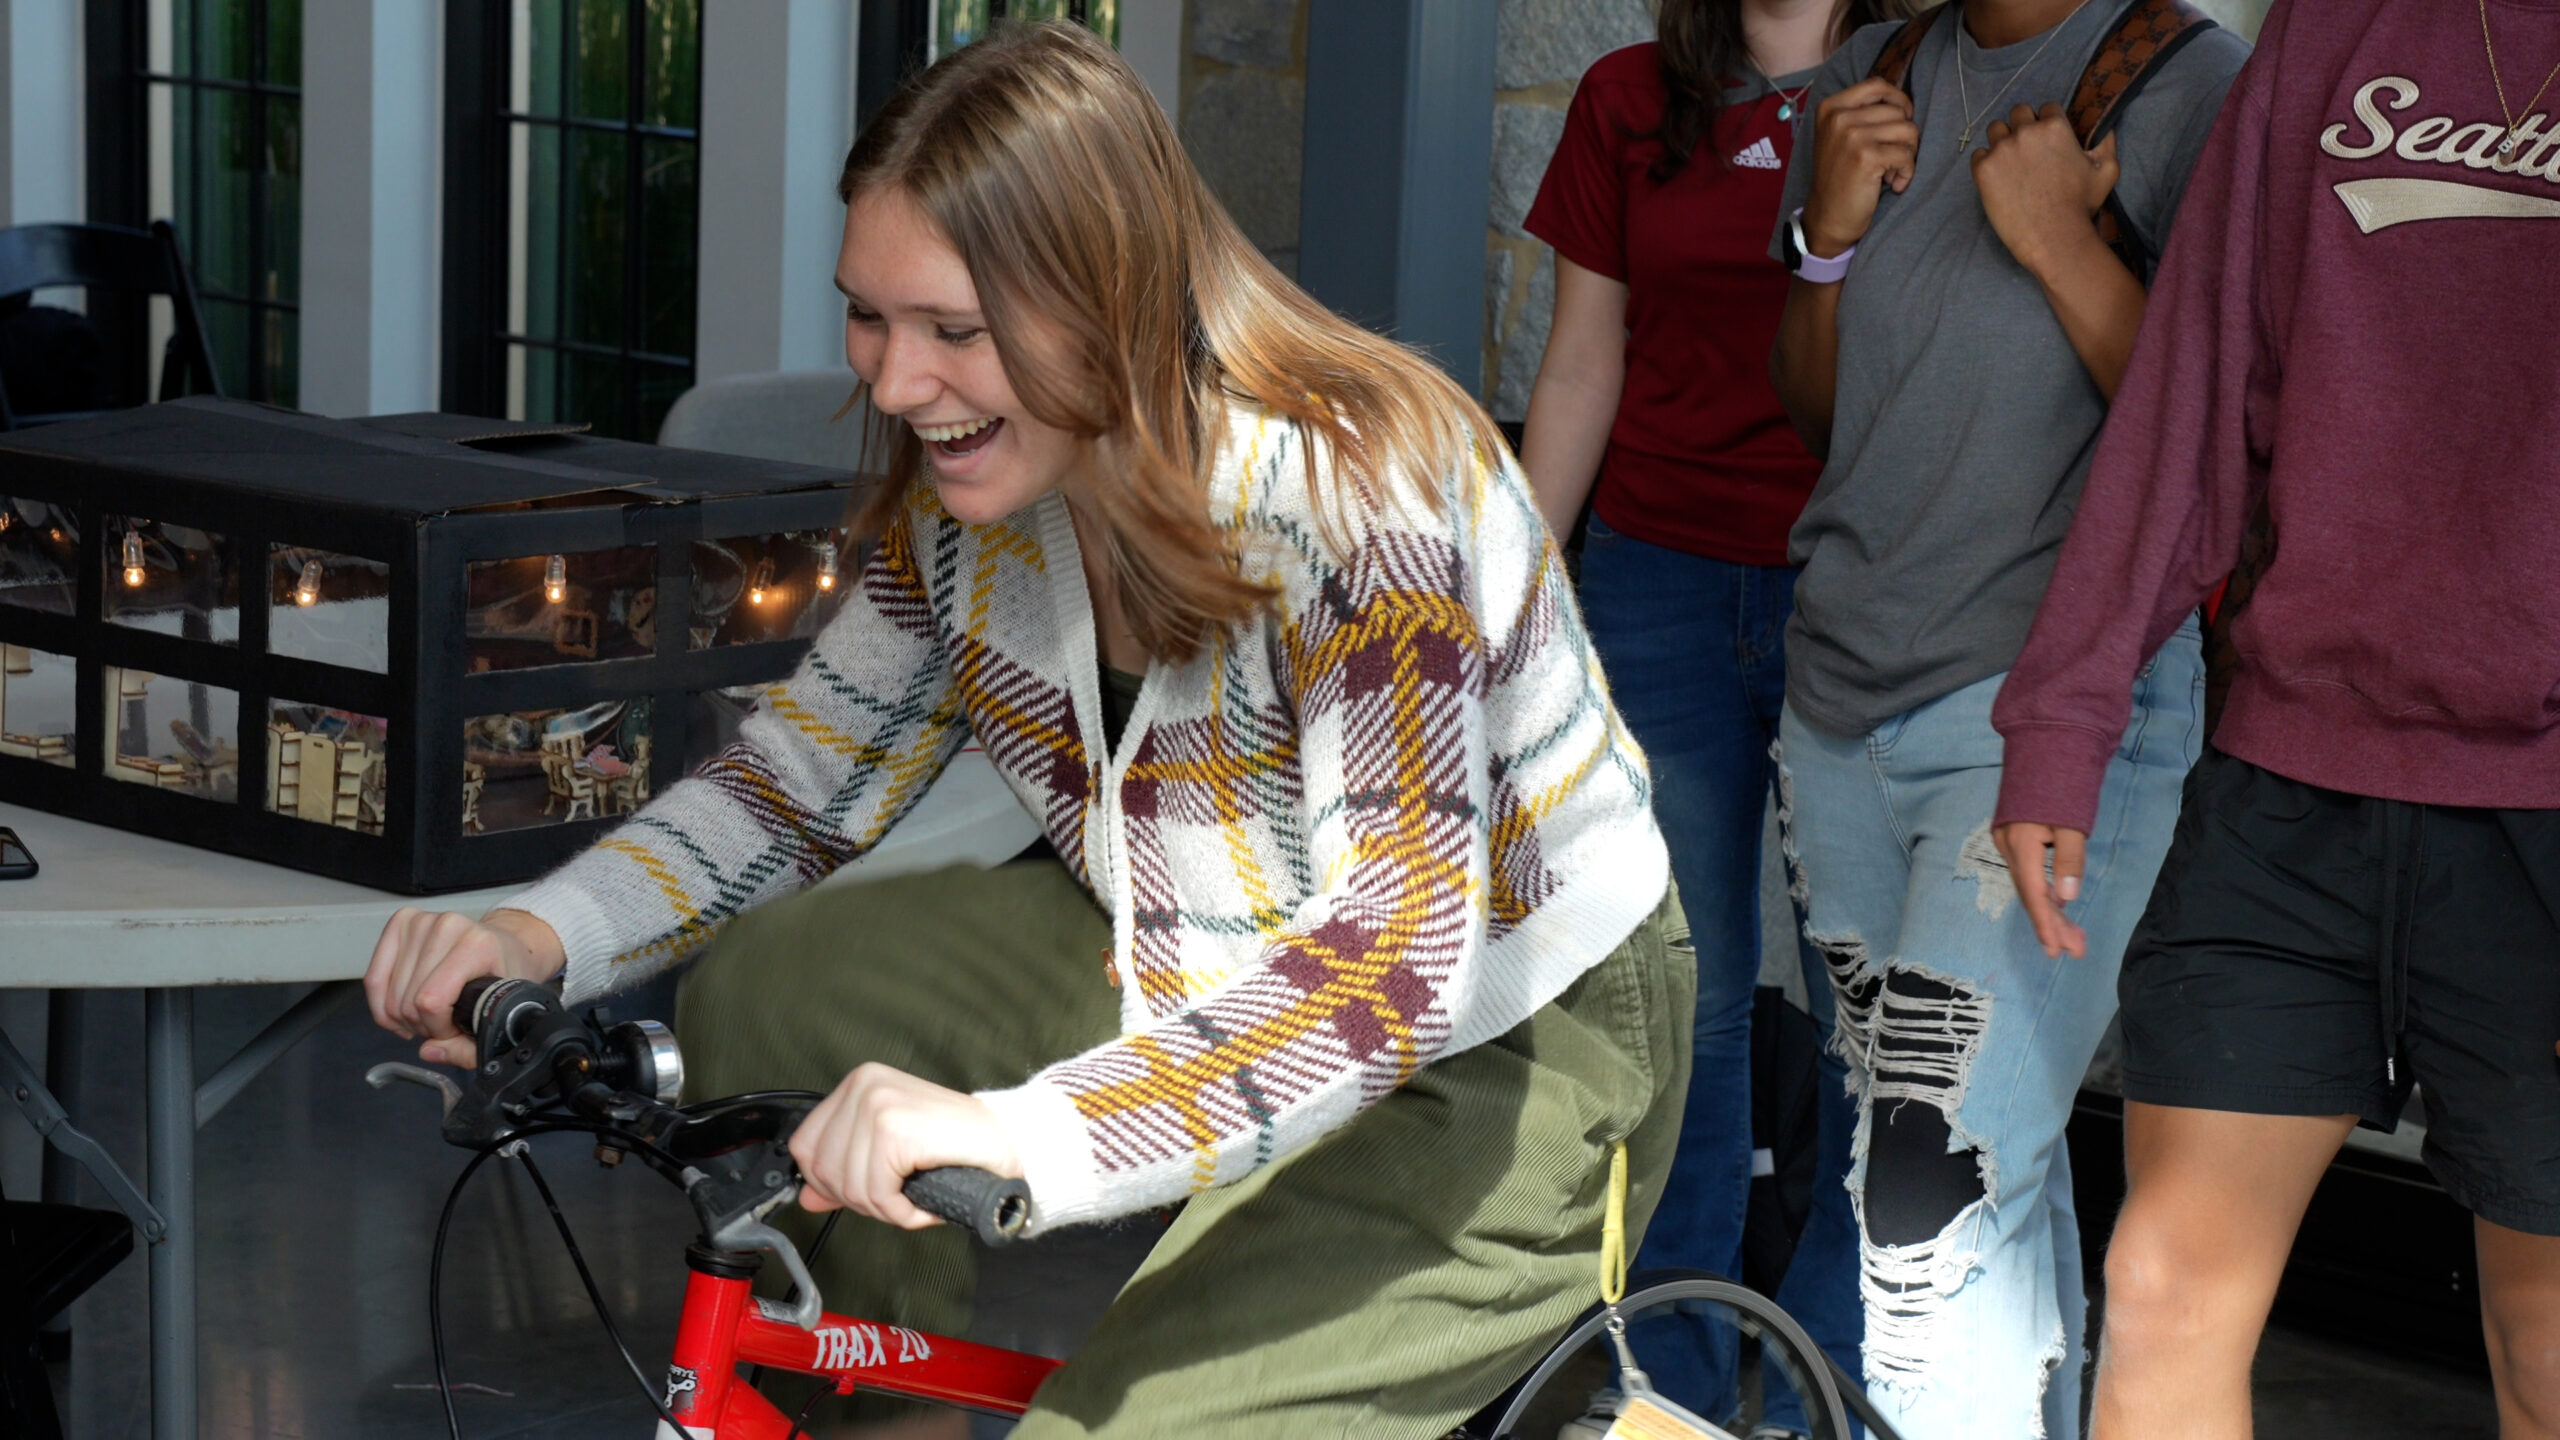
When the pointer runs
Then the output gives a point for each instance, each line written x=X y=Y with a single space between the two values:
x=1760 y=155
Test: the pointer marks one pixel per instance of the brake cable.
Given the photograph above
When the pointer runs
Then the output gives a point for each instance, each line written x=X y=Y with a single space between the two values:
x=444 y=1224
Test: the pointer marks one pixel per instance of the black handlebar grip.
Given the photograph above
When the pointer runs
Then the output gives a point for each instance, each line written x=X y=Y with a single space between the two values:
x=466 y=1006
x=994 y=1208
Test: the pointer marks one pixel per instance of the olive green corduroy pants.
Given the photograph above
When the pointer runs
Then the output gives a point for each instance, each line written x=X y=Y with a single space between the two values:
x=1387 y=1281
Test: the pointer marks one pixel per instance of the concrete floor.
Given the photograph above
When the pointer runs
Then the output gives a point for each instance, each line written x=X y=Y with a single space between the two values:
x=318 y=1201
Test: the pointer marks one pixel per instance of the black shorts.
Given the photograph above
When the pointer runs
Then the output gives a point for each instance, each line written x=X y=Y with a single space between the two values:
x=2309 y=952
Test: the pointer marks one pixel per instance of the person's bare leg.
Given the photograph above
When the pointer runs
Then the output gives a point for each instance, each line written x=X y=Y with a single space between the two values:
x=2211 y=1204
x=2520 y=1317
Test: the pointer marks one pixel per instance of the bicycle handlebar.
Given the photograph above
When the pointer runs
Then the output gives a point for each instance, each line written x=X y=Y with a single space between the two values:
x=988 y=1205
x=627 y=1077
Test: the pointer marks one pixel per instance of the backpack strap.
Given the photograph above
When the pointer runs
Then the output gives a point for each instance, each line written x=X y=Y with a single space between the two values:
x=2143 y=40
x=2149 y=32
x=1894 y=61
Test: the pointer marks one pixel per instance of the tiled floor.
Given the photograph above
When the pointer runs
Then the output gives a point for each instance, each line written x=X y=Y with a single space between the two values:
x=318 y=1203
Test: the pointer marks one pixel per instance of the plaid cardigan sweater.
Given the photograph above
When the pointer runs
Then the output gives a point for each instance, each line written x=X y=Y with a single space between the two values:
x=1380 y=824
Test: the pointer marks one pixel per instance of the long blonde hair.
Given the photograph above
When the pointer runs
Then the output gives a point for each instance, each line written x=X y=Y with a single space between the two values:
x=1128 y=309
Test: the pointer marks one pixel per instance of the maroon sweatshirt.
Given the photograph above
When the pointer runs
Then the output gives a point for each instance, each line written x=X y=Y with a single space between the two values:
x=2358 y=318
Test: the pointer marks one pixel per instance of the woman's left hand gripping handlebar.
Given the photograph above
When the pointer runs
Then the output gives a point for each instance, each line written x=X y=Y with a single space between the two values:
x=425 y=957
x=857 y=1147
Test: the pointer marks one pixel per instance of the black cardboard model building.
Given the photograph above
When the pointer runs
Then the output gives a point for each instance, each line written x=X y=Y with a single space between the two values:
x=417 y=651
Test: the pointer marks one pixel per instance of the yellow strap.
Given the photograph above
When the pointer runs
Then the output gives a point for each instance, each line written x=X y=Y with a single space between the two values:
x=1613 y=1231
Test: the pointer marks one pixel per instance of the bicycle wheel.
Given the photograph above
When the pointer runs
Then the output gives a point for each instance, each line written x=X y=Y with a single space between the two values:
x=1655 y=1301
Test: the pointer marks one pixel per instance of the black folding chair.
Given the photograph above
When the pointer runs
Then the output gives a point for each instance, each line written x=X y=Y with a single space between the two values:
x=49 y=1254
x=107 y=257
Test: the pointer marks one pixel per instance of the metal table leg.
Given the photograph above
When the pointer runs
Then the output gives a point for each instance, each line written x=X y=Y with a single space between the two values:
x=169 y=1083
x=64 y=1044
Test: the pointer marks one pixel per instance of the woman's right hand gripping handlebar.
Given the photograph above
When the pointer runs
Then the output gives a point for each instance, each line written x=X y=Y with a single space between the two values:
x=1865 y=142
x=425 y=957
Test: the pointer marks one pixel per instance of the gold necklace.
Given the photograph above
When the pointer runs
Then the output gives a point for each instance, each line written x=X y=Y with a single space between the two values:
x=1964 y=100
x=2508 y=149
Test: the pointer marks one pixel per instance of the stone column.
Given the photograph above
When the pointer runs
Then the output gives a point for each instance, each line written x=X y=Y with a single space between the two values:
x=1545 y=45
x=1243 y=114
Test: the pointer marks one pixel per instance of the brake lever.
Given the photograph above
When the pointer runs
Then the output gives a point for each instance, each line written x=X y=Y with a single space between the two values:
x=749 y=1232
x=381 y=1076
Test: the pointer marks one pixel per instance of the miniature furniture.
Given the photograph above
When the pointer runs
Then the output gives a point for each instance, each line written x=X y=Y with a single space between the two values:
x=321 y=779
x=559 y=753
x=629 y=790
x=584 y=787
x=109 y=257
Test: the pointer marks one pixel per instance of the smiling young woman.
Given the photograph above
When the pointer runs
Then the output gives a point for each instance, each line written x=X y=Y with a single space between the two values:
x=1351 y=927
x=1118 y=372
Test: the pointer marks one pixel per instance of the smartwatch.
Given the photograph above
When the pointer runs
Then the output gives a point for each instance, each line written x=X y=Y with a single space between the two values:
x=1801 y=259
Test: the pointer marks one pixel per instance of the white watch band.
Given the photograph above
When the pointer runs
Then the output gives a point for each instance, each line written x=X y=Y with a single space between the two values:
x=1820 y=270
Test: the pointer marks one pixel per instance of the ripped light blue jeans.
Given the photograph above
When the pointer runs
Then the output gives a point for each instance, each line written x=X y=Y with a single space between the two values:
x=1965 y=1043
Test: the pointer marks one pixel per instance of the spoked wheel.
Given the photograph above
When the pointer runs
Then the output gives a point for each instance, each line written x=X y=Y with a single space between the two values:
x=1656 y=1305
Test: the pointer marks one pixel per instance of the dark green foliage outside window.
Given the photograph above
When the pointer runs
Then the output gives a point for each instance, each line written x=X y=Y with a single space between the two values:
x=957 y=22
x=602 y=181
x=222 y=83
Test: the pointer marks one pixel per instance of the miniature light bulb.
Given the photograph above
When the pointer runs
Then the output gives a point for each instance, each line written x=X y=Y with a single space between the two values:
x=826 y=565
x=306 y=591
x=555 y=579
x=133 y=575
x=763 y=580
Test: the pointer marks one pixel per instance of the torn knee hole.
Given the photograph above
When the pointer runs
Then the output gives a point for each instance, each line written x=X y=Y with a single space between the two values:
x=1922 y=1174
x=1918 y=1182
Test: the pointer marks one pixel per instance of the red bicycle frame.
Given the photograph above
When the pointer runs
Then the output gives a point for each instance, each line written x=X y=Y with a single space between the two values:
x=724 y=1327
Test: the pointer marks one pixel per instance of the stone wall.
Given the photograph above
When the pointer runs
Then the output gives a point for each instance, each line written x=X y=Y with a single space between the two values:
x=1544 y=46
x=1244 y=94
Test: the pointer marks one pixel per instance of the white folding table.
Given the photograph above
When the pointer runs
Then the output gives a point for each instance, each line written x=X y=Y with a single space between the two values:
x=114 y=910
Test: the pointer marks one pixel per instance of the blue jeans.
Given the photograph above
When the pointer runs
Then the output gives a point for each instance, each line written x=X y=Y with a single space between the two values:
x=1693 y=649
x=1966 y=1043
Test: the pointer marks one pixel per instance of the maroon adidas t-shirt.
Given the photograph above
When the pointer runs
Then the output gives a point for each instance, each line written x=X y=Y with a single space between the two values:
x=1701 y=458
